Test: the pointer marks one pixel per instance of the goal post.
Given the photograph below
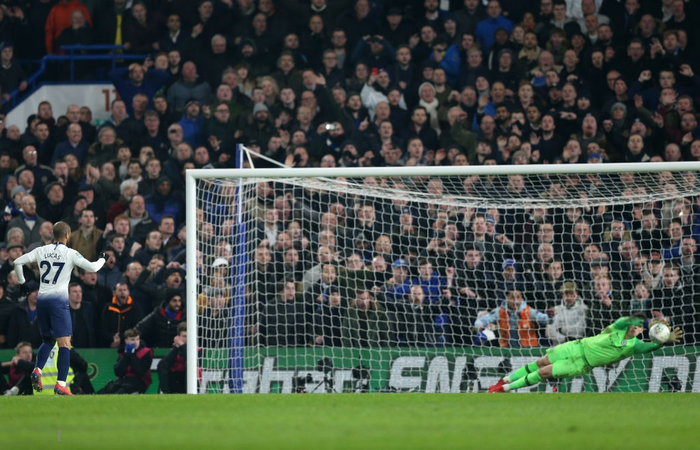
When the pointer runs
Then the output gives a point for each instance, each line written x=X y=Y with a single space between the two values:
x=226 y=221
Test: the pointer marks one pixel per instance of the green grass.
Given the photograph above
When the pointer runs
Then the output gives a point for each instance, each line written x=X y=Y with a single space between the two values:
x=347 y=421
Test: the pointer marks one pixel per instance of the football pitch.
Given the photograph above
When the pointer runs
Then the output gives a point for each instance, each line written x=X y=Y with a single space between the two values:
x=347 y=421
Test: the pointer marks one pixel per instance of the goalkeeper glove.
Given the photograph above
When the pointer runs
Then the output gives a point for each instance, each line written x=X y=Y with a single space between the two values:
x=104 y=256
x=675 y=336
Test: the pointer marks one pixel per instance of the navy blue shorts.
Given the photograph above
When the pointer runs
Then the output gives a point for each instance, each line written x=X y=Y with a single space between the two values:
x=54 y=319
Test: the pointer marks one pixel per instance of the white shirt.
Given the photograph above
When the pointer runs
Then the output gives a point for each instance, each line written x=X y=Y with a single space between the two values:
x=56 y=262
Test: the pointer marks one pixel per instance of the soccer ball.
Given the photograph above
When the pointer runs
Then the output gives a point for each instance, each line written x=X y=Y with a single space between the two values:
x=659 y=333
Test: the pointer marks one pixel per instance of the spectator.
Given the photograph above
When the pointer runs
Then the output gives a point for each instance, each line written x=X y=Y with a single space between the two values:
x=18 y=370
x=120 y=315
x=138 y=79
x=83 y=318
x=514 y=314
x=285 y=321
x=172 y=372
x=569 y=322
x=133 y=367
x=161 y=325
x=486 y=29
x=85 y=239
x=11 y=74
x=23 y=325
x=29 y=221
x=59 y=19
x=188 y=88
x=74 y=145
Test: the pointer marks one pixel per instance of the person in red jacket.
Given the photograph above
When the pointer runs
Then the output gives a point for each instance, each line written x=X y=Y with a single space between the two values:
x=59 y=19
x=172 y=370
x=133 y=367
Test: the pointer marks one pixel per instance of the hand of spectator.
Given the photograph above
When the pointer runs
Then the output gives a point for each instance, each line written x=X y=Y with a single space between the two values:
x=147 y=63
x=503 y=239
x=638 y=101
x=453 y=97
x=607 y=125
x=572 y=78
x=413 y=40
x=450 y=272
x=228 y=3
x=197 y=30
x=17 y=13
x=440 y=155
x=135 y=248
x=22 y=86
x=223 y=158
x=536 y=72
x=179 y=341
x=644 y=76
x=7 y=96
x=483 y=101
x=502 y=141
x=687 y=71
x=534 y=138
x=108 y=229
x=371 y=80
x=289 y=160
x=468 y=292
x=609 y=53
x=321 y=298
x=321 y=128
x=286 y=138
x=14 y=360
x=116 y=340
x=206 y=111
x=126 y=45
x=319 y=340
x=403 y=85
x=447 y=293
x=214 y=143
x=658 y=120
x=265 y=243
x=364 y=124
x=687 y=138
x=320 y=80
x=366 y=37
x=173 y=265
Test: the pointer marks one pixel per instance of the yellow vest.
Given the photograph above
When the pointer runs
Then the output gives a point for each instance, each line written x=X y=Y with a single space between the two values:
x=49 y=374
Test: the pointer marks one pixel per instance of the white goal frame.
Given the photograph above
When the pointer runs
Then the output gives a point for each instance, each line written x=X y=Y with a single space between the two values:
x=193 y=175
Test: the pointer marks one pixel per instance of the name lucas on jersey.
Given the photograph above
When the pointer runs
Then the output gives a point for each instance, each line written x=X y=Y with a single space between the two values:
x=52 y=256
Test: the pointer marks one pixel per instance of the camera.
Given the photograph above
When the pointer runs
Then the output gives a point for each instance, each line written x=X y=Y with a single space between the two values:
x=347 y=154
x=297 y=158
x=299 y=383
x=331 y=127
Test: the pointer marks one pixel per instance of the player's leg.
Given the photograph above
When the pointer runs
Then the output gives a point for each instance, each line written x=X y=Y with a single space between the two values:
x=62 y=328
x=520 y=373
x=532 y=378
x=43 y=315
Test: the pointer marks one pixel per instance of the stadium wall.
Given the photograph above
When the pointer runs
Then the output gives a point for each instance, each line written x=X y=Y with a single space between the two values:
x=96 y=96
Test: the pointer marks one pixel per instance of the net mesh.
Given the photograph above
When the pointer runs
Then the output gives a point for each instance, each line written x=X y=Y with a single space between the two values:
x=439 y=284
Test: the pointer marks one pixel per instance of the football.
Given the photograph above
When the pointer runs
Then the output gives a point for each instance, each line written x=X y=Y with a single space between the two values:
x=659 y=333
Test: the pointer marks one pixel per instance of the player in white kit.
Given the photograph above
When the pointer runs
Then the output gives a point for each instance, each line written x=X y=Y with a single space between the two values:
x=56 y=262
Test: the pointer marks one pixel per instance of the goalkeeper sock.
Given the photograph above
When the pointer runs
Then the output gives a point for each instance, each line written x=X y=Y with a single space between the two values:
x=63 y=364
x=530 y=379
x=43 y=355
x=523 y=371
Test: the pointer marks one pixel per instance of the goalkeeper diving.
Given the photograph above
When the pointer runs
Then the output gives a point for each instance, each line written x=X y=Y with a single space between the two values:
x=575 y=358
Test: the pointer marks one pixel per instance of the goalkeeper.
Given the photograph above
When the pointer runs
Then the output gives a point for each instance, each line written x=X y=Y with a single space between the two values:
x=572 y=359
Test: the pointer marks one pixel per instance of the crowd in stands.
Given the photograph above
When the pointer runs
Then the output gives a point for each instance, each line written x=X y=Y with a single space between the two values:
x=359 y=84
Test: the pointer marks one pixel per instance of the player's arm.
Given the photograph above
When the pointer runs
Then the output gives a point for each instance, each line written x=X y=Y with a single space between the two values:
x=88 y=266
x=27 y=258
x=624 y=323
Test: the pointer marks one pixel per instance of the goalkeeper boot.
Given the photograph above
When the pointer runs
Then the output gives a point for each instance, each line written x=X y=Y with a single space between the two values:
x=36 y=380
x=62 y=390
x=497 y=386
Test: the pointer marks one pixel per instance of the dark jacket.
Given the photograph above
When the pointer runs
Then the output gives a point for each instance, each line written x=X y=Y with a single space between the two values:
x=285 y=324
x=157 y=329
x=118 y=318
x=135 y=365
x=83 y=320
x=21 y=328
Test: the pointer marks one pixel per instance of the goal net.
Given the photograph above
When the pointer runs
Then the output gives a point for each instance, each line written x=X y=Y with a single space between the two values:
x=436 y=279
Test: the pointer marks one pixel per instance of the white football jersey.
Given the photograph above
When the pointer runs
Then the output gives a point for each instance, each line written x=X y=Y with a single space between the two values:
x=56 y=262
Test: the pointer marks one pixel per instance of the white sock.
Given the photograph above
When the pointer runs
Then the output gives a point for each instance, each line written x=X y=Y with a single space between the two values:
x=62 y=383
x=506 y=388
x=38 y=370
x=506 y=379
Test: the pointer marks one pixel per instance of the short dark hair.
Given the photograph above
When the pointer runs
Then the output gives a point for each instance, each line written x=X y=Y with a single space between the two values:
x=132 y=333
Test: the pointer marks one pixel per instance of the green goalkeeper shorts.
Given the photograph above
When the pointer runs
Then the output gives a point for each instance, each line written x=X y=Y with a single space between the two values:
x=568 y=360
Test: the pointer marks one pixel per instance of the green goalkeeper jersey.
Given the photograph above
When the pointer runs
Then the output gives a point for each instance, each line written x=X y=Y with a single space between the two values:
x=610 y=345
